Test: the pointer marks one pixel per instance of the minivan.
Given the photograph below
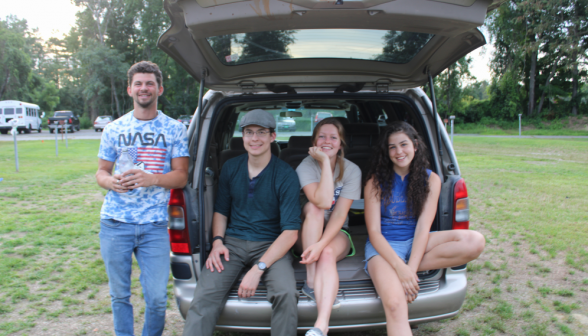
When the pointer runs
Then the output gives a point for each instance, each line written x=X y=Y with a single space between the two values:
x=362 y=61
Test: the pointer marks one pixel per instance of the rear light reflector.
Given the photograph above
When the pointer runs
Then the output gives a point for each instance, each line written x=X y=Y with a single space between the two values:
x=461 y=207
x=179 y=236
x=176 y=217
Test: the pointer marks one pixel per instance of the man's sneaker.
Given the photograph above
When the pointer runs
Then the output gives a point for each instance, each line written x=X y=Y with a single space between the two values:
x=314 y=332
x=310 y=293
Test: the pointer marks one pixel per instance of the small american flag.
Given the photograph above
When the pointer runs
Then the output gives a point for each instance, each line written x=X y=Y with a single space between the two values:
x=153 y=158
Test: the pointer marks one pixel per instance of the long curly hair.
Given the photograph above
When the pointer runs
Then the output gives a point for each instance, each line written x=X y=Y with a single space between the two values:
x=341 y=131
x=382 y=169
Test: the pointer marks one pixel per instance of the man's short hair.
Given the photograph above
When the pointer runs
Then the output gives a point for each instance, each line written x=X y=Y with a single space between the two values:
x=145 y=67
x=271 y=130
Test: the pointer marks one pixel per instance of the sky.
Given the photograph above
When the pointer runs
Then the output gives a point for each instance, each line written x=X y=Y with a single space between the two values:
x=54 y=18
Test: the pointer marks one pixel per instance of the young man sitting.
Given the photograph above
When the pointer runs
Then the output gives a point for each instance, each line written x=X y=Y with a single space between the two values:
x=255 y=224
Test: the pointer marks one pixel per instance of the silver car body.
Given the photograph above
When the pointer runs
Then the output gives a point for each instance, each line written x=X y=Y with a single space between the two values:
x=101 y=122
x=286 y=124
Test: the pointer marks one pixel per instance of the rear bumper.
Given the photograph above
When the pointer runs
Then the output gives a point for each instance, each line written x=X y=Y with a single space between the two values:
x=53 y=126
x=356 y=312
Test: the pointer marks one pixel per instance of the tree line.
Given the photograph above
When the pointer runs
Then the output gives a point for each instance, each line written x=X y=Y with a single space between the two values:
x=85 y=70
x=538 y=64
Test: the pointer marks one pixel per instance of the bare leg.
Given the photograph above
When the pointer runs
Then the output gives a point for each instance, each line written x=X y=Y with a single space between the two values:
x=451 y=248
x=326 y=281
x=391 y=292
x=313 y=222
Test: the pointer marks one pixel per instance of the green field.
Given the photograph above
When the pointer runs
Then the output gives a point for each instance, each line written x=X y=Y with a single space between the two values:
x=527 y=196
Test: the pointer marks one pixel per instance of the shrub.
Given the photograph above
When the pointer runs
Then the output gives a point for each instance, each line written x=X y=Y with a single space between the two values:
x=85 y=122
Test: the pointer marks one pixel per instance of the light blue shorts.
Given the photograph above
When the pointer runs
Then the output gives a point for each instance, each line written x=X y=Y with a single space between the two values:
x=402 y=249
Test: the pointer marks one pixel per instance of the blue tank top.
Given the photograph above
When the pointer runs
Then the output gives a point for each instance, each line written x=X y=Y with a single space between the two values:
x=397 y=223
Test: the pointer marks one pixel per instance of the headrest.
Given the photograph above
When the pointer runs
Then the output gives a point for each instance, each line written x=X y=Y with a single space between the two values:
x=370 y=129
x=299 y=142
x=236 y=144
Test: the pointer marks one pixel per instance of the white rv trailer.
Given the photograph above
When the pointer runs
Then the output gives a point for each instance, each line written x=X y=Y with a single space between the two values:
x=28 y=116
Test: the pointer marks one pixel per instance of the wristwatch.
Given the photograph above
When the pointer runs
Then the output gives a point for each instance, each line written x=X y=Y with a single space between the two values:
x=262 y=266
x=218 y=237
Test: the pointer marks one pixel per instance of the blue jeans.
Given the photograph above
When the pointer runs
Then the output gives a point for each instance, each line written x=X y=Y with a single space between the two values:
x=150 y=243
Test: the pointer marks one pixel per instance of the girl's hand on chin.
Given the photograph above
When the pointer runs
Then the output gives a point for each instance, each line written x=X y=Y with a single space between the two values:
x=318 y=154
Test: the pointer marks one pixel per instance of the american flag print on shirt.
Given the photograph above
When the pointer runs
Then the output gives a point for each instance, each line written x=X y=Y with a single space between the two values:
x=153 y=158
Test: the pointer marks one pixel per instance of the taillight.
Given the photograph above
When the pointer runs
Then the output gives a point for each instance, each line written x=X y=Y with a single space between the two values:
x=315 y=117
x=69 y=122
x=179 y=236
x=461 y=207
x=95 y=122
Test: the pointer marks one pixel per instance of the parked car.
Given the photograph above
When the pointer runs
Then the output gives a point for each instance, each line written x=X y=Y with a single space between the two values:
x=62 y=118
x=320 y=116
x=340 y=61
x=185 y=120
x=286 y=124
x=101 y=122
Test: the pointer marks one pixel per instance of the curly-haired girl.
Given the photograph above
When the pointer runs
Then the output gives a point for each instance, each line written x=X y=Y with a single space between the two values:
x=401 y=197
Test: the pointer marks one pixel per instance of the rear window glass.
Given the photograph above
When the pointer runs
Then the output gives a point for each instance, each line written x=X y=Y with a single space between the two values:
x=104 y=118
x=62 y=114
x=8 y=111
x=376 y=45
x=19 y=110
x=289 y=126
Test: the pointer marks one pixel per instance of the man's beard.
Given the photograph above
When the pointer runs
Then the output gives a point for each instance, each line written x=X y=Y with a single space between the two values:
x=145 y=104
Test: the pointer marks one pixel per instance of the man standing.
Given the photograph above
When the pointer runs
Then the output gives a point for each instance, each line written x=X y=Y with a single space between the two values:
x=255 y=224
x=133 y=218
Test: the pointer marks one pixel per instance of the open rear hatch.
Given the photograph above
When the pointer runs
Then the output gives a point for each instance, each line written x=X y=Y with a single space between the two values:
x=263 y=45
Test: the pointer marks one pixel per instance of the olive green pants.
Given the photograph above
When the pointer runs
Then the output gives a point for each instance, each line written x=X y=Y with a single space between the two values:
x=213 y=289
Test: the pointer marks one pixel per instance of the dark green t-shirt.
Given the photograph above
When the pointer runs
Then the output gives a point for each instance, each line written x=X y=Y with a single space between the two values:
x=258 y=209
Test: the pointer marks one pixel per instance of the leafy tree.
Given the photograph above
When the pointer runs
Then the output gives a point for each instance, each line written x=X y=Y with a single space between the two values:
x=538 y=41
x=46 y=96
x=450 y=84
x=15 y=62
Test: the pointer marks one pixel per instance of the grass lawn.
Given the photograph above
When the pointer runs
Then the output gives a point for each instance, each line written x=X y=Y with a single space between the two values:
x=527 y=196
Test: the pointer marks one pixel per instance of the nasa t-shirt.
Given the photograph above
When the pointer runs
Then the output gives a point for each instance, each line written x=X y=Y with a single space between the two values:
x=151 y=144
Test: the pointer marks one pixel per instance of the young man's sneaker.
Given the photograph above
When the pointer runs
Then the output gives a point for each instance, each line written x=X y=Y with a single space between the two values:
x=314 y=332
x=310 y=293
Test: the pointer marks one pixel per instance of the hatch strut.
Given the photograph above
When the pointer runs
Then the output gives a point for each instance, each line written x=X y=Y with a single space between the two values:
x=200 y=184
x=434 y=101
x=199 y=110
x=441 y=175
